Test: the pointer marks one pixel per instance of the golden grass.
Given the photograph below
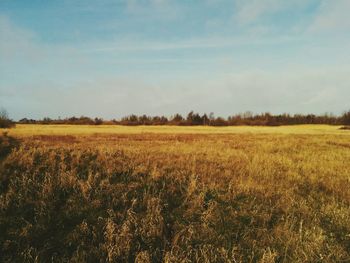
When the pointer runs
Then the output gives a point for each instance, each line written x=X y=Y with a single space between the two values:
x=35 y=129
x=175 y=194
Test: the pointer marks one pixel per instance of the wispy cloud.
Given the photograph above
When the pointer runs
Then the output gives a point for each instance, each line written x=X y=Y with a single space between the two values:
x=332 y=16
x=251 y=11
x=13 y=40
x=220 y=69
x=156 y=9
x=224 y=94
x=181 y=44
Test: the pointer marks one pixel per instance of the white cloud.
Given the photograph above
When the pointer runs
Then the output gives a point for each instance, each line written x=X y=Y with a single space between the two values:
x=15 y=41
x=155 y=9
x=63 y=81
x=288 y=90
x=332 y=16
x=126 y=45
x=251 y=11
x=292 y=90
x=159 y=2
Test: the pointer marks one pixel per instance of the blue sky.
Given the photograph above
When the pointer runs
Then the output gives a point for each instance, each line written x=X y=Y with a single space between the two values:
x=111 y=58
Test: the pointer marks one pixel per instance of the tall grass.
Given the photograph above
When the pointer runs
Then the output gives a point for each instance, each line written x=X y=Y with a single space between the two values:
x=176 y=198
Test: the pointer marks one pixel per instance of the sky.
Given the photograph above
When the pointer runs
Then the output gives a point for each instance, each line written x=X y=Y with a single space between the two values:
x=112 y=58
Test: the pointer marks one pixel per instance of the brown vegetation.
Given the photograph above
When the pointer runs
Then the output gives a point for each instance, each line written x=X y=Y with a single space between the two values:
x=192 y=119
x=5 y=121
x=176 y=198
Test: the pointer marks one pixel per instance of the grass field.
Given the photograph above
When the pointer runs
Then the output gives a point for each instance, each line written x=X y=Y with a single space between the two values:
x=175 y=194
x=36 y=129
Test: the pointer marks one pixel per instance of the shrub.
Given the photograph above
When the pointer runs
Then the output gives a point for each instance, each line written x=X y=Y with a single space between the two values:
x=5 y=122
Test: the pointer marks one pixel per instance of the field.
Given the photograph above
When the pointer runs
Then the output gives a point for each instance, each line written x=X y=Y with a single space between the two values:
x=174 y=194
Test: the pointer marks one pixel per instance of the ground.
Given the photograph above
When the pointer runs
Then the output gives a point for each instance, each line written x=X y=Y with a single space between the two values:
x=175 y=194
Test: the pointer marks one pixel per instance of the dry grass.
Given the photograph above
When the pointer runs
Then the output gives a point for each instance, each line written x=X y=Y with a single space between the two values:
x=175 y=194
x=37 y=129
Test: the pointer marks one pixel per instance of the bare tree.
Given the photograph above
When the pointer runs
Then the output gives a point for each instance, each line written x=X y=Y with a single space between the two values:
x=5 y=121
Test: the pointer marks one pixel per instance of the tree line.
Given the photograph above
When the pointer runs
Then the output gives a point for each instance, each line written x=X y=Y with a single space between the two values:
x=192 y=118
x=5 y=121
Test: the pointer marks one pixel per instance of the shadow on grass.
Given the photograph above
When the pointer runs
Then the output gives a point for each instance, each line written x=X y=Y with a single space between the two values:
x=7 y=143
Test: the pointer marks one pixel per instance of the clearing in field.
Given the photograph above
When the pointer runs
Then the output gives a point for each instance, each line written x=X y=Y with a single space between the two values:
x=175 y=194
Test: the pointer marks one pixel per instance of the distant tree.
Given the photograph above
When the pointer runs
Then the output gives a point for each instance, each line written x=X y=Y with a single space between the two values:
x=27 y=121
x=346 y=118
x=159 y=120
x=130 y=120
x=211 y=117
x=197 y=119
x=219 y=121
x=205 y=120
x=163 y=120
x=145 y=120
x=24 y=121
x=46 y=120
x=270 y=120
x=98 y=121
x=247 y=115
x=189 y=118
x=177 y=119
x=85 y=120
x=194 y=118
x=5 y=121
x=133 y=118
